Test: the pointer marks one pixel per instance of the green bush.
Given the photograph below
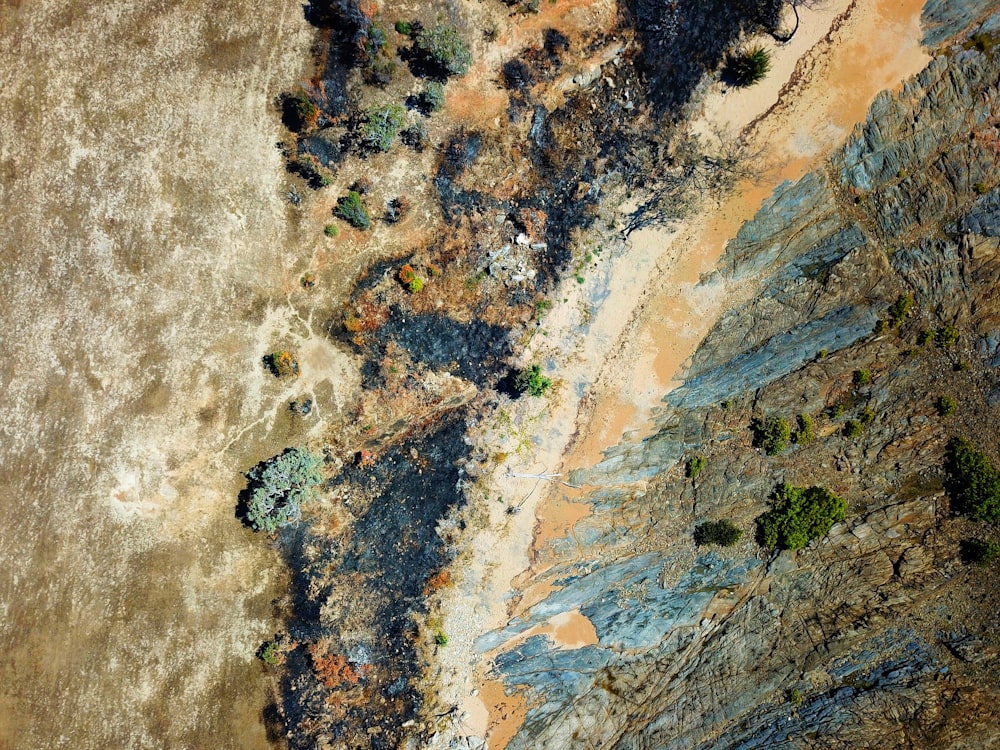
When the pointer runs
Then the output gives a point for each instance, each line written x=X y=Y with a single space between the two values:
x=404 y=27
x=724 y=533
x=277 y=487
x=443 y=48
x=432 y=97
x=271 y=653
x=805 y=429
x=748 y=66
x=867 y=417
x=799 y=515
x=900 y=309
x=946 y=336
x=926 y=336
x=852 y=428
x=330 y=230
x=946 y=405
x=415 y=284
x=441 y=639
x=862 y=377
x=350 y=208
x=773 y=434
x=975 y=483
x=978 y=552
x=380 y=126
x=532 y=381
x=694 y=467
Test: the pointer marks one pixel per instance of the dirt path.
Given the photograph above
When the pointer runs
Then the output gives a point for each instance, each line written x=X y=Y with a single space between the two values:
x=616 y=358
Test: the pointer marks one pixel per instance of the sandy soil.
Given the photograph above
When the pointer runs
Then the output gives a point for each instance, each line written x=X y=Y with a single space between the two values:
x=147 y=266
x=639 y=336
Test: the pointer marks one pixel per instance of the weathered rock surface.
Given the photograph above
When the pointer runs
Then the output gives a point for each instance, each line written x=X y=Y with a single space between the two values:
x=875 y=636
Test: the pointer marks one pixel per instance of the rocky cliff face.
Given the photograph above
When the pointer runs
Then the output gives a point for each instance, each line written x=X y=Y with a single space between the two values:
x=877 y=635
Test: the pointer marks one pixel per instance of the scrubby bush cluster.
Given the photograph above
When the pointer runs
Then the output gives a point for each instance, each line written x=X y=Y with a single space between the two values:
x=282 y=364
x=724 y=533
x=277 y=487
x=799 y=515
x=900 y=309
x=975 y=482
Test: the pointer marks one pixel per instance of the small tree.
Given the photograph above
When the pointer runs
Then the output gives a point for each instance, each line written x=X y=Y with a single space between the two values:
x=975 y=483
x=806 y=430
x=277 y=487
x=350 y=208
x=380 y=126
x=799 y=515
x=773 y=434
x=748 y=66
x=432 y=97
x=532 y=381
x=694 y=467
x=443 y=48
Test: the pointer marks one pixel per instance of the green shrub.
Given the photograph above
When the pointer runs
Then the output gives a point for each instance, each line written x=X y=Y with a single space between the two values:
x=946 y=336
x=962 y=366
x=926 y=336
x=805 y=429
x=867 y=417
x=352 y=210
x=441 y=639
x=980 y=188
x=748 y=66
x=724 y=533
x=822 y=354
x=443 y=48
x=799 y=515
x=694 y=467
x=900 y=309
x=978 y=552
x=727 y=404
x=416 y=284
x=432 y=97
x=773 y=434
x=946 y=405
x=380 y=126
x=795 y=697
x=277 y=487
x=862 y=377
x=852 y=428
x=331 y=230
x=532 y=381
x=404 y=27
x=975 y=483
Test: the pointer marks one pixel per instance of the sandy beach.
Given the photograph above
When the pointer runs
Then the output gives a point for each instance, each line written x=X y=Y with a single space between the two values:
x=640 y=337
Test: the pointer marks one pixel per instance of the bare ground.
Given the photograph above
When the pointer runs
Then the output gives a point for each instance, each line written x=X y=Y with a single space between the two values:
x=147 y=266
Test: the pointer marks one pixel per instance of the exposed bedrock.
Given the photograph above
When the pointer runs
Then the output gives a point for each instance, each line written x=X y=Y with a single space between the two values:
x=864 y=638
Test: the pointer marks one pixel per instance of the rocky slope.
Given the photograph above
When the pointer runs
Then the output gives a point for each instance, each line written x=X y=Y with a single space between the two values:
x=878 y=635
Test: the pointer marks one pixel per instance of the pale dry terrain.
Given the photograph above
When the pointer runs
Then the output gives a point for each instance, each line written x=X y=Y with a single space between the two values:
x=148 y=264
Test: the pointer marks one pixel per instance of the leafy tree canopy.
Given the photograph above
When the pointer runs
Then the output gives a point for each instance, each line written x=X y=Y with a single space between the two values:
x=277 y=487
